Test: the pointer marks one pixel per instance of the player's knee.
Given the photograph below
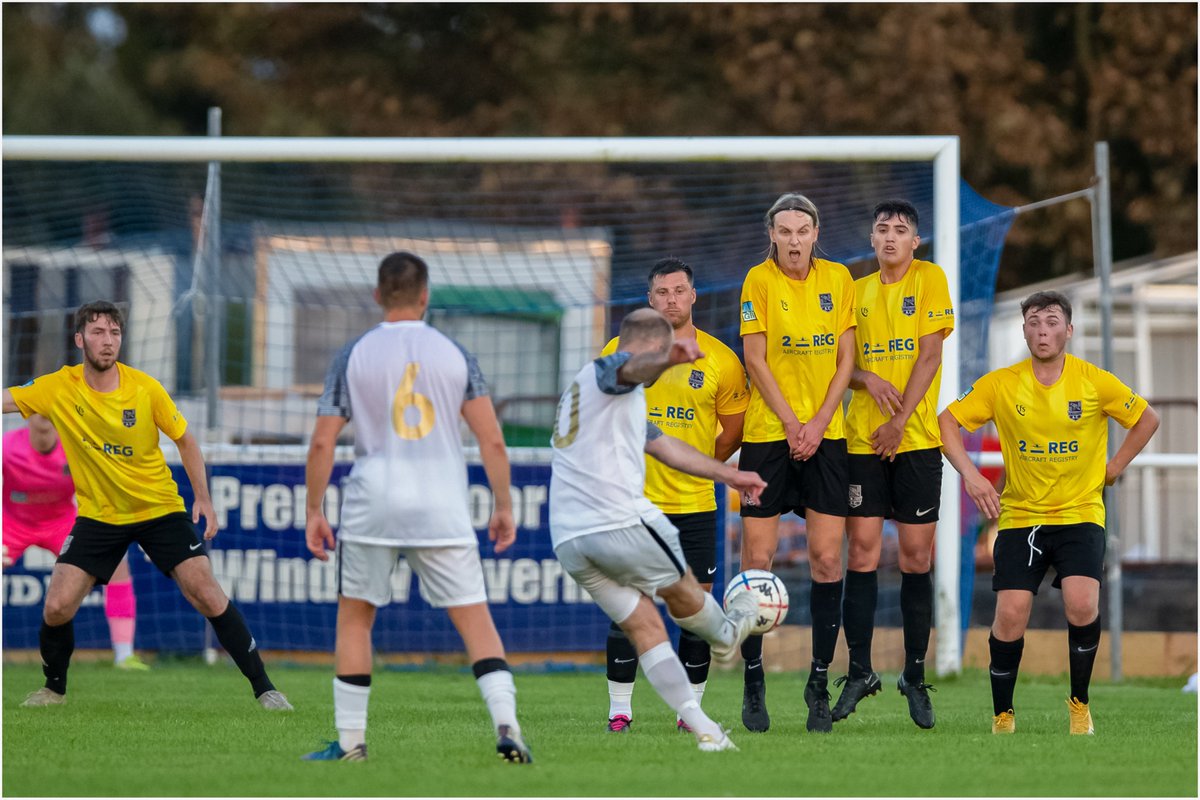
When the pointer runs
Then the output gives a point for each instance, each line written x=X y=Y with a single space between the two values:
x=57 y=612
x=915 y=562
x=862 y=558
x=1081 y=611
x=826 y=569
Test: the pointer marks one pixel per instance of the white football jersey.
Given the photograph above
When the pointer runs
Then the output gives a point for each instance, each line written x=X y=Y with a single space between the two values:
x=598 y=469
x=404 y=384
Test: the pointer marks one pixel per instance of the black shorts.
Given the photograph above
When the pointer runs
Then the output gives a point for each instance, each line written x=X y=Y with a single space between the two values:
x=818 y=484
x=698 y=539
x=98 y=547
x=1022 y=555
x=908 y=490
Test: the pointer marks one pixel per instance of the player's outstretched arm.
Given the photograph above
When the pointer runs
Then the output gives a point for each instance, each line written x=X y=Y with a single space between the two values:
x=1135 y=440
x=10 y=405
x=680 y=455
x=978 y=487
x=193 y=464
x=480 y=415
x=647 y=366
x=318 y=535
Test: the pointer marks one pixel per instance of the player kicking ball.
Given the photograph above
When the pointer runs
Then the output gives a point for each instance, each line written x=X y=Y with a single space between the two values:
x=613 y=541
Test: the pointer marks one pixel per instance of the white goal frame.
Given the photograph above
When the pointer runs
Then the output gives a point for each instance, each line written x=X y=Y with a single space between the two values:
x=943 y=151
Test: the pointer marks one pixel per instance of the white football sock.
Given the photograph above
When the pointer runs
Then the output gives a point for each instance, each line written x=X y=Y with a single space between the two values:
x=710 y=623
x=122 y=651
x=665 y=672
x=620 y=699
x=500 y=694
x=350 y=713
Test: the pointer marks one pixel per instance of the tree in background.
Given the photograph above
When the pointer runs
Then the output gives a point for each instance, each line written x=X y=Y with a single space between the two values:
x=1029 y=88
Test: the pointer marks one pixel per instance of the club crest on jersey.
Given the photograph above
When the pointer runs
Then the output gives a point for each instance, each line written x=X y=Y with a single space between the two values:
x=855 y=495
x=748 y=312
x=1074 y=409
x=129 y=417
x=908 y=306
x=696 y=379
x=826 y=300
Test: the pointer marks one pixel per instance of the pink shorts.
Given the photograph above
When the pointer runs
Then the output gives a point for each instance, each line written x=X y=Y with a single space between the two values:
x=49 y=535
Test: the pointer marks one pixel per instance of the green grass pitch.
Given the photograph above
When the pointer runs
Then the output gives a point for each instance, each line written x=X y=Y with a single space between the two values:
x=189 y=730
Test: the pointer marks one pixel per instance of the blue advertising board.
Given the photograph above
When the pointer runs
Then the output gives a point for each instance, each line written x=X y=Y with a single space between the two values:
x=289 y=598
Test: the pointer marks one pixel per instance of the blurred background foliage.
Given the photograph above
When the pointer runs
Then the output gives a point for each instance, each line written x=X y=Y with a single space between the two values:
x=1029 y=87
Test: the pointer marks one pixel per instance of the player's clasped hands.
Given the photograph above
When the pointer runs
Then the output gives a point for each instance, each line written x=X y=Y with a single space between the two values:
x=886 y=439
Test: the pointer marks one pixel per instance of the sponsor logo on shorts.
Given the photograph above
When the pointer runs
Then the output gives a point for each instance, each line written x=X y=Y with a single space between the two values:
x=1074 y=409
x=826 y=301
x=66 y=544
x=908 y=306
x=712 y=570
x=855 y=495
x=129 y=417
x=696 y=379
x=923 y=512
x=195 y=546
x=748 y=312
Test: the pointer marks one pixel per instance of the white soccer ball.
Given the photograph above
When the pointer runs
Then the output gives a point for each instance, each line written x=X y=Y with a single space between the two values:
x=771 y=593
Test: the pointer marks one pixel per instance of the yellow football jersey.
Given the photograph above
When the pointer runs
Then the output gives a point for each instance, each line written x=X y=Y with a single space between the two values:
x=1054 y=439
x=802 y=321
x=111 y=441
x=891 y=319
x=685 y=402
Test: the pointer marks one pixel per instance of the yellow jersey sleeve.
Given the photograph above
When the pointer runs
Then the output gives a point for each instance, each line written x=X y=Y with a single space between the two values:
x=754 y=301
x=1116 y=399
x=611 y=347
x=935 y=309
x=37 y=396
x=166 y=413
x=845 y=307
x=975 y=407
x=733 y=390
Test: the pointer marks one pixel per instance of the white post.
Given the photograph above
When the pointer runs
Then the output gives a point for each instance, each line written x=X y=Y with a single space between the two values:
x=949 y=530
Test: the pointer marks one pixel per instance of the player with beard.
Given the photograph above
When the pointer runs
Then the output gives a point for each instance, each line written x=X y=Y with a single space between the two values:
x=109 y=417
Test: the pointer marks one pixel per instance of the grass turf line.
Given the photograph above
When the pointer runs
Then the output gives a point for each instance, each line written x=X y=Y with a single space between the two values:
x=189 y=730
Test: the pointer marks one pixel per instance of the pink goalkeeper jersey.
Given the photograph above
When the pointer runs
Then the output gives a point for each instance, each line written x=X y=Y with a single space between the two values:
x=38 y=490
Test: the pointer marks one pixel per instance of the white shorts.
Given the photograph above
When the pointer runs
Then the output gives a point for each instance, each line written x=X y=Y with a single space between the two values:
x=450 y=576
x=618 y=567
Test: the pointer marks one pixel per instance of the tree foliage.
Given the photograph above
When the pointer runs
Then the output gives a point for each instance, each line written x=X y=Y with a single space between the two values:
x=1029 y=88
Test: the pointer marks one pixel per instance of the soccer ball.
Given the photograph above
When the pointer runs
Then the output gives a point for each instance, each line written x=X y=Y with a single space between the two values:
x=772 y=597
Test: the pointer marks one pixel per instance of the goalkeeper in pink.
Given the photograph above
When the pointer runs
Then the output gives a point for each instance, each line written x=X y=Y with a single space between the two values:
x=39 y=510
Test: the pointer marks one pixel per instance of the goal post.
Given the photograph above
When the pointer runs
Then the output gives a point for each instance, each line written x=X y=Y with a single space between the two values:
x=942 y=152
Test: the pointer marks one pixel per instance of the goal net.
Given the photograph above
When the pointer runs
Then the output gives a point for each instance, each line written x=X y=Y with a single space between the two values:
x=240 y=284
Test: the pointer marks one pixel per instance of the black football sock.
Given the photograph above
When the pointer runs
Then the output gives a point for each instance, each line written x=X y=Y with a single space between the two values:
x=695 y=655
x=1082 y=641
x=916 y=609
x=57 y=643
x=858 y=618
x=235 y=637
x=622 y=656
x=1006 y=661
x=752 y=655
x=826 y=606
